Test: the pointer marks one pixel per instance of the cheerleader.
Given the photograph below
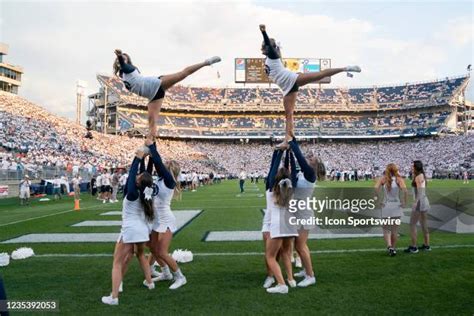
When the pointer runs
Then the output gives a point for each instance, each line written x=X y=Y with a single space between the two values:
x=152 y=88
x=392 y=184
x=270 y=279
x=165 y=222
x=288 y=81
x=279 y=191
x=420 y=208
x=304 y=183
x=137 y=212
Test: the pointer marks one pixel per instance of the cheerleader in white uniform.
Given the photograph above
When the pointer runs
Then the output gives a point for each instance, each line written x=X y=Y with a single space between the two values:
x=304 y=182
x=152 y=88
x=279 y=191
x=164 y=224
x=288 y=81
x=137 y=213
x=270 y=279
x=420 y=209
x=392 y=206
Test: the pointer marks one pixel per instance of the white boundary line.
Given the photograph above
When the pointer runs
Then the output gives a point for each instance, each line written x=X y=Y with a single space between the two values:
x=212 y=254
x=33 y=218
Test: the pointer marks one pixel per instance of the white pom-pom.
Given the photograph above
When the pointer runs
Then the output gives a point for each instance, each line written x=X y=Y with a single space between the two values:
x=4 y=259
x=22 y=253
x=182 y=256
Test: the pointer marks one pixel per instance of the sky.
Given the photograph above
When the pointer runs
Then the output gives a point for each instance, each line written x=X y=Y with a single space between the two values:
x=58 y=43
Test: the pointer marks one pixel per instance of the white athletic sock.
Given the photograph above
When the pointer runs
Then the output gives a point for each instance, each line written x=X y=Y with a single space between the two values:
x=165 y=269
x=178 y=273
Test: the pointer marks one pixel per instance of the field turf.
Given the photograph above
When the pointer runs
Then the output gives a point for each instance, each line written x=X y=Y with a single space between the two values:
x=226 y=277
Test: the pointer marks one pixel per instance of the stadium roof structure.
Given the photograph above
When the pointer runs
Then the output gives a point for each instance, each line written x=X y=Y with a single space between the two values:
x=408 y=110
x=257 y=99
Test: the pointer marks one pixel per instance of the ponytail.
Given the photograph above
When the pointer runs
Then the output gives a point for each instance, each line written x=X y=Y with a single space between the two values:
x=282 y=189
x=145 y=189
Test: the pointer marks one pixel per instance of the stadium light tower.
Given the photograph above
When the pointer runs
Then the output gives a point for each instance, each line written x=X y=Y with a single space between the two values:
x=80 y=87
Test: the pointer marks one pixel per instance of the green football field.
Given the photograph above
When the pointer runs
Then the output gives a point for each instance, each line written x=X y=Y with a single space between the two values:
x=354 y=275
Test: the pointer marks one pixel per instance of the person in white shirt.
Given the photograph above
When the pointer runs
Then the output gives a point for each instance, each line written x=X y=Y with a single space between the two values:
x=25 y=185
x=57 y=188
x=194 y=181
x=106 y=186
x=98 y=184
x=242 y=177
x=115 y=185
x=76 y=182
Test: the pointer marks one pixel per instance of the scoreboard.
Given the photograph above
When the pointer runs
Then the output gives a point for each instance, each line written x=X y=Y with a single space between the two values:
x=252 y=70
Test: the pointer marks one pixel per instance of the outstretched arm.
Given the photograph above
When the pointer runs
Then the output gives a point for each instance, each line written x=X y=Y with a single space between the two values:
x=305 y=167
x=125 y=67
x=274 y=169
x=271 y=51
x=161 y=168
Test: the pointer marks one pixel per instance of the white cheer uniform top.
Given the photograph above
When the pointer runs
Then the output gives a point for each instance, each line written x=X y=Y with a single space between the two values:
x=164 y=217
x=278 y=74
x=146 y=87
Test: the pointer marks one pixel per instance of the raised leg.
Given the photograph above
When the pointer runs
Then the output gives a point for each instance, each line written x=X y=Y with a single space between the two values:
x=167 y=81
x=312 y=77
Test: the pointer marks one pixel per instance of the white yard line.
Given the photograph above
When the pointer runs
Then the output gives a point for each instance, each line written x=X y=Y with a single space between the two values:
x=217 y=254
x=33 y=218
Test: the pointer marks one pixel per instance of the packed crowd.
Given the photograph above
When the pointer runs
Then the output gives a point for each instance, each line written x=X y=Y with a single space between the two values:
x=422 y=123
x=201 y=98
x=33 y=139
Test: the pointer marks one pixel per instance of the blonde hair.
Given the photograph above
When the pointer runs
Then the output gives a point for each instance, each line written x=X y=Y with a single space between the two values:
x=282 y=189
x=174 y=168
x=390 y=171
x=319 y=168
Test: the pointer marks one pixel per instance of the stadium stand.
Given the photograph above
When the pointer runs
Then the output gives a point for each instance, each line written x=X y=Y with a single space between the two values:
x=41 y=144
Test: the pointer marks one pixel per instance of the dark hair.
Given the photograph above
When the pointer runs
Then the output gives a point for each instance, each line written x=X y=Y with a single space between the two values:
x=319 y=169
x=146 y=180
x=418 y=168
x=116 y=66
